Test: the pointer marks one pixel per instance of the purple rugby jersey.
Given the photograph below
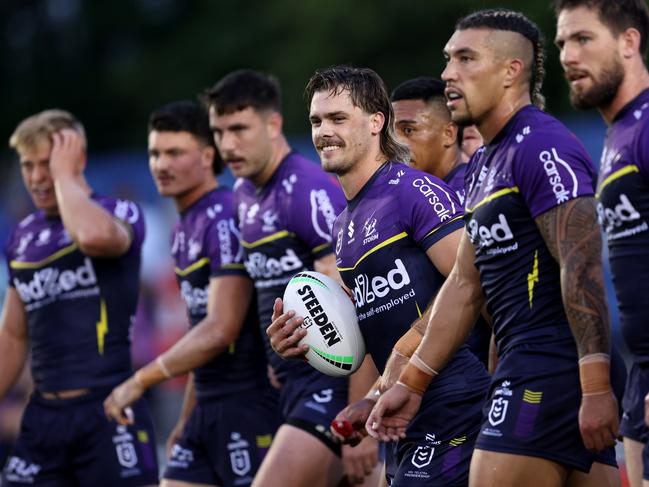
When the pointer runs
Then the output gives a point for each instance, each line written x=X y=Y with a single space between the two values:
x=623 y=193
x=205 y=245
x=533 y=165
x=285 y=226
x=79 y=308
x=381 y=242
x=455 y=180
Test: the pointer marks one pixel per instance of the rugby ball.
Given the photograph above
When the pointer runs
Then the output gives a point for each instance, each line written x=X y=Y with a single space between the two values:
x=336 y=346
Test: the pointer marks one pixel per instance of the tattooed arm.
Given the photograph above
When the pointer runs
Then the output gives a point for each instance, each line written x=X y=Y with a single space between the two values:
x=572 y=235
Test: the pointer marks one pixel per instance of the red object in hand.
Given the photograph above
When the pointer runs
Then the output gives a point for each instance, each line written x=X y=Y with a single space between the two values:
x=343 y=428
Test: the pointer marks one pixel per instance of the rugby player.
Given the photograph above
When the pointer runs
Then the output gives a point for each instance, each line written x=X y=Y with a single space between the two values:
x=423 y=123
x=224 y=437
x=602 y=50
x=532 y=250
x=73 y=285
x=395 y=243
x=286 y=208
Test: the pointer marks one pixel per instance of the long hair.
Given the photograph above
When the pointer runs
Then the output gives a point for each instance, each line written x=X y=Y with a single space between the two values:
x=368 y=92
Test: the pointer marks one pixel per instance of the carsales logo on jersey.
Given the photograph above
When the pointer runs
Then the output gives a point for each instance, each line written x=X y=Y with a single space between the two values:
x=551 y=164
x=50 y=281
x=367 y=290
x=425 y=186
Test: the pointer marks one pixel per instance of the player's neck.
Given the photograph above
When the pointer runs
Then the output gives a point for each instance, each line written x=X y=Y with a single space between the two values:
x=497 y=118
x=186 y=200
x=354 y=180
x=281 y=149
x=452 y=158
x=635 y=81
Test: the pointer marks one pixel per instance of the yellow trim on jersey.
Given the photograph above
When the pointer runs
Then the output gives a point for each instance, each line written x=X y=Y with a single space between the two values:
x=269 y=238
x=102 y=326
x=17 y=264
x=196 y=265
x=615 y=175
x=493 y=196
x=321 y=247
x=418 y=310
x=374 y=249
x=443 y=225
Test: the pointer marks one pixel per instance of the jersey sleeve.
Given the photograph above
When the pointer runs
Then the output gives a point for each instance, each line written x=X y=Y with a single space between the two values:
x=551 y=169
x=131 y=215
x=313 y=207
x=430 y=209
x=223 y=248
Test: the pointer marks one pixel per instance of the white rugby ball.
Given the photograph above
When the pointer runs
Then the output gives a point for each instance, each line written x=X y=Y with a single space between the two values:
x=336 y=346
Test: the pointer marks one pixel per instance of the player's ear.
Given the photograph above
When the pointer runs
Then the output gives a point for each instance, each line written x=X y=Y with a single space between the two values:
x=83 y=161
x=274 y=123
x=629 y=42
x=207 y=157
x=514 y=71
x=377 y=120
x=449 y=134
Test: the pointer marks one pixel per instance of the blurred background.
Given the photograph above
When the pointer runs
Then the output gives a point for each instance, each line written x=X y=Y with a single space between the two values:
x=112 y=63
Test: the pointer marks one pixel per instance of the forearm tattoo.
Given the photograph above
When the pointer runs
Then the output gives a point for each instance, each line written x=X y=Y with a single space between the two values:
x=572 y=235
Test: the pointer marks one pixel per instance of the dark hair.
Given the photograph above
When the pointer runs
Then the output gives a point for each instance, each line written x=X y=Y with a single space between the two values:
x=512 y=21
x=242 y=89
x=423 y=88
x=617 y=15
x=367 y=92
x=186 y=116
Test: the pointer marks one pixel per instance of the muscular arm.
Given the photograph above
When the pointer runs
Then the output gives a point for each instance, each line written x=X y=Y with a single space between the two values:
x=94 y=229
x=14 y=340
x=214 y=334
x=452 y=317
x=572 y=235
x=443 y=255
x=455 y=309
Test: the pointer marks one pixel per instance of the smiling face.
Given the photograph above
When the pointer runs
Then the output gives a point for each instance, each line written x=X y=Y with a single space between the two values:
x=589 y=56
x=342 y=133
x=35 y=172
x=473 y=76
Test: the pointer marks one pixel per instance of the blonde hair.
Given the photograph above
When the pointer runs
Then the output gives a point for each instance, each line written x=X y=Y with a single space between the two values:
x=39 y=128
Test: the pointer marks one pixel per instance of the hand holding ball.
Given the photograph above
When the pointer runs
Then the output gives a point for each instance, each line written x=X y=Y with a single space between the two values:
x=336 y=346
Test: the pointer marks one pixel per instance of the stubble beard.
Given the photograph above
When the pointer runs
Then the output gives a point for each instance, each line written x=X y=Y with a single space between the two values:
x=603 y=90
